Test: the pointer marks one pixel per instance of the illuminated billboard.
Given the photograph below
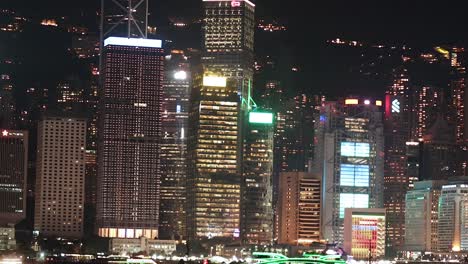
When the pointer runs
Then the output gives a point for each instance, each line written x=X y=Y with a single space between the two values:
x=353 y=200
x=214 y=81
x=355 y=149
x=354 y=175
x=260 y=118
x=364 y=231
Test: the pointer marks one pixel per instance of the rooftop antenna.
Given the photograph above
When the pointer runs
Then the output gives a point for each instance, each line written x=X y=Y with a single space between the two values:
x=123 y=18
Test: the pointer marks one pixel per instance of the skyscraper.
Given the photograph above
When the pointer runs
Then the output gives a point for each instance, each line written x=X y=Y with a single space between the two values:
x=175 y=108
x=60 y=177
x=221 y=99
x=214 y=168
x=129 y=138
x=459 y=92
x=13 y=171
x=229 y=27
x=7 y=102
x=349 y=157
x=257 y=177
x=299 y=206
x=398 y=117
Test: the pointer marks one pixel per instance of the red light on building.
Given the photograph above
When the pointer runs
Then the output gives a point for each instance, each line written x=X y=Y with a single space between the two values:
x=388 y=106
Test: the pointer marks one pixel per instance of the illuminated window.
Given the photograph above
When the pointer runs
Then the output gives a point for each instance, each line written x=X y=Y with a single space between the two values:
x=354 y=175
x=353 y=200
x=355 y=149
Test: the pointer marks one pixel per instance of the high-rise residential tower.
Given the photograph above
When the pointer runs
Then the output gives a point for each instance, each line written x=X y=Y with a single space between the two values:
x=257 y=180
x=13 y=171
x=60 y=177
x=299 y=205
x=350 y=159
x=129 y=138
x=175 y=108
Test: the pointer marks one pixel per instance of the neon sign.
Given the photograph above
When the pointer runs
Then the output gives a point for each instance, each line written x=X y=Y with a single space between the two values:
x=5 y=133
x=235 y=3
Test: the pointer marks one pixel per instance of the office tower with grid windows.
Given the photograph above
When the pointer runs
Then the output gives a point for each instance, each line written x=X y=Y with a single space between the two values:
x=176 y=95
x=13 y=171
x=129 y=135
x=350 y=158
x=257 y=180
x=60 y=177
x=213 y=209
x=229 y=27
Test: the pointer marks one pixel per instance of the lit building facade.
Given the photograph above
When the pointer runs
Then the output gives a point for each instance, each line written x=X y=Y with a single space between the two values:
x=349 y=156
x=364 y=233
x=453 y=217
x=129 y=136
x=60 y=177
x=459 y=92
x=7 y=102
x=13 y=171
x=213 y=185
x=299 y=209
x=257 y=176
x=175 y=108
x=229 y=28
x=421 y=217
x=426 y=106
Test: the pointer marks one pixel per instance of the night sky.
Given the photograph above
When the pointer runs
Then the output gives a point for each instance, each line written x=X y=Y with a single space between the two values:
x=420 y=24
x=409 y=21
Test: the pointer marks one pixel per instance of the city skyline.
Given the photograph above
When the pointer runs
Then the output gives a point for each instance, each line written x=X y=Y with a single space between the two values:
x=233 y=128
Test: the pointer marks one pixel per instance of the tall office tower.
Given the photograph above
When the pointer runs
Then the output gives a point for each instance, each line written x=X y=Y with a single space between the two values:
x=213 y=187
x=294 y=139
x=421 y=218
x=453 y=217
x=397 y=120
x=257 y=176
x=229 y=27
x=91 y=106
x=349 y=157
x=427 y=105
x=175 y=108
x=7 y=103
x=60 y=177
x=299 y=207
x=129 y=135
x=459 y=92
x=13 y=171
